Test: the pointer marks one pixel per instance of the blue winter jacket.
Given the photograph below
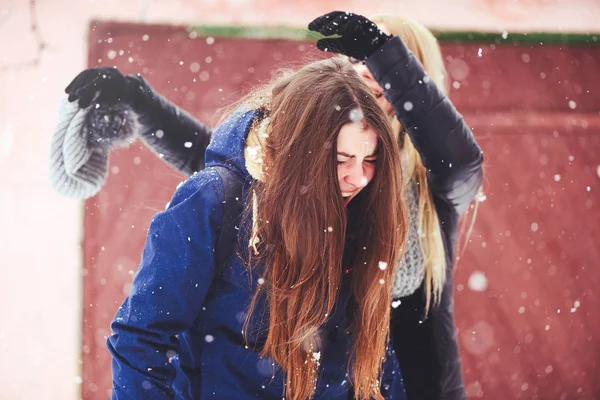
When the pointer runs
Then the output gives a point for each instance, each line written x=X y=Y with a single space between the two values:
x=179 y=332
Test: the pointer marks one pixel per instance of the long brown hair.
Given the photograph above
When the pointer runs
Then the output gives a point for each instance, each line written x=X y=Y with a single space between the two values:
x=301 y=222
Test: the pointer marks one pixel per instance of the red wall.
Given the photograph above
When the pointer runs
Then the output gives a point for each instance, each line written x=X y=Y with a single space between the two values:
x=536 y=237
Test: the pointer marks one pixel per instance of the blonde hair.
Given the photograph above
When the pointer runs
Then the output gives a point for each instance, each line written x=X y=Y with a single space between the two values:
x=425 y=47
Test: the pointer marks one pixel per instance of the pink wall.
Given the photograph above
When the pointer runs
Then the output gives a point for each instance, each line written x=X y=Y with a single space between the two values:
x=40 y=255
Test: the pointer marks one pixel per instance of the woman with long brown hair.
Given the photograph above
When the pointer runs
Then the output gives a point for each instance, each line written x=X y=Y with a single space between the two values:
x=301 y=307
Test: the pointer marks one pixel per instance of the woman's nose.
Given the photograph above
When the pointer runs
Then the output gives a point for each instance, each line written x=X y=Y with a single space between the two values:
x=355 y=175
x=364 y=72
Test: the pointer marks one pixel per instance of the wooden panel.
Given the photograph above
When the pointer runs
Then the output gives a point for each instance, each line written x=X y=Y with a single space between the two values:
x=533 y=333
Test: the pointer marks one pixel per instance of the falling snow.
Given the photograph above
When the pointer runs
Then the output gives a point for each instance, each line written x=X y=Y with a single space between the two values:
x=534 y=227
x=356 y=115
x=194 y=67
x=477 y=282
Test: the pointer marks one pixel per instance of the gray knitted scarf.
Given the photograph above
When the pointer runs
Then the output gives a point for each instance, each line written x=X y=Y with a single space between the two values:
x=410 y=270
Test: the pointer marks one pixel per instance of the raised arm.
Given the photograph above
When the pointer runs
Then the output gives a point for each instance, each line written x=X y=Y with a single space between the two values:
x=175 y=135
x=174 y=276
x=438 y=131
x=444 y=141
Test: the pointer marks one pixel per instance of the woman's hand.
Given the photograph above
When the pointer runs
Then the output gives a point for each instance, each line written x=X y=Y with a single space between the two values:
x=105 y=85
x=356 y=36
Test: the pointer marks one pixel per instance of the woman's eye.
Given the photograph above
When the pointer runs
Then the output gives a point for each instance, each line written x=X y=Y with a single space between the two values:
x=341 y=162
x=371 y=161
x=355 y=61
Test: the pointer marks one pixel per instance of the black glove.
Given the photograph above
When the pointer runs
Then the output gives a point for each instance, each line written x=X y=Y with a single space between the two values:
x=107 y=86
x=107 y=124
x=358 y=37
x=104 y=85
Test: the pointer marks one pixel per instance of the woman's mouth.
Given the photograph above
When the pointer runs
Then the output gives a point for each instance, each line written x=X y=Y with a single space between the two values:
x=348 y=196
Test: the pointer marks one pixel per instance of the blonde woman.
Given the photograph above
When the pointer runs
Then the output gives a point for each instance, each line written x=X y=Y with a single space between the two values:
x=401 y=62
x=443 y=164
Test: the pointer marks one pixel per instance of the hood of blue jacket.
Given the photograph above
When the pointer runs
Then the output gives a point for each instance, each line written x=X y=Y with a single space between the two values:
x=229 y=140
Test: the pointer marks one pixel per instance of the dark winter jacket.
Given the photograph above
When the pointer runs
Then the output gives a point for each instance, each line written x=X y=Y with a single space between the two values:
x=179 y=332
x=427 y=349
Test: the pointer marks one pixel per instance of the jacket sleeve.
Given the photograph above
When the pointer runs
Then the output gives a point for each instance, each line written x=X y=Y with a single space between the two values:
x=175 y=135
x=444 y=141
x=174 y=276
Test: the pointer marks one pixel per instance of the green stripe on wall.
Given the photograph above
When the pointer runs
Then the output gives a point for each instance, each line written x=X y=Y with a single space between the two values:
x=290 y=33
x=519 y=38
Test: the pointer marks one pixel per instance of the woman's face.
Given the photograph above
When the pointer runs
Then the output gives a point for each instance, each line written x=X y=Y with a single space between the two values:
x=356 y=158
x=377 y=90
x=365 y=74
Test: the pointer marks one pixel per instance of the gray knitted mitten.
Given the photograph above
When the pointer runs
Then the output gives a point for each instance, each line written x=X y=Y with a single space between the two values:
x=82 y=139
